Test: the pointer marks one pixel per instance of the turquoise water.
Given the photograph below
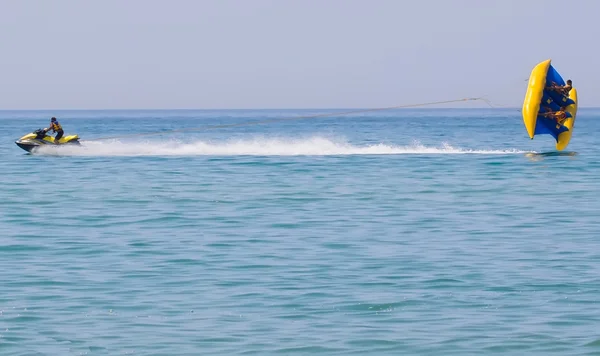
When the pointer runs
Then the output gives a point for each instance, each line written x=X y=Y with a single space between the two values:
x=399 y=232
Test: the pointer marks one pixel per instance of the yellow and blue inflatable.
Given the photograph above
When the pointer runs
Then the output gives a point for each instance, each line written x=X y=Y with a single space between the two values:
x=538 y=99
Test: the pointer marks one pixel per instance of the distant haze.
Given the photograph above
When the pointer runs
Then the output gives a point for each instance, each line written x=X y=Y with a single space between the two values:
x=141 y=54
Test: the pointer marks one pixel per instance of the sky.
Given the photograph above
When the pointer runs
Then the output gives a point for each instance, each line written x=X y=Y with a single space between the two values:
x=260 y=54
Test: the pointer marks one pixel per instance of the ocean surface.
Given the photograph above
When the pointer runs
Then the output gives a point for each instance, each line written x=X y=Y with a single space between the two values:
x=401 y=232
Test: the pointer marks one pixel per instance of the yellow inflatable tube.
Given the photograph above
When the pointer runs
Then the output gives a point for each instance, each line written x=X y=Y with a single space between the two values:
x=543 y=75
x=565 y=137
x=533 y=96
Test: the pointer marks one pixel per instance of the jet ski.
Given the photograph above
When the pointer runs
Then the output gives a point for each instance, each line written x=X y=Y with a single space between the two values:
x=32 y=141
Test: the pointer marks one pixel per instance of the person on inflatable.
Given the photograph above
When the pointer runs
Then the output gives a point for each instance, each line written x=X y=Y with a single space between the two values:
x=562 y=89
x=560 y=116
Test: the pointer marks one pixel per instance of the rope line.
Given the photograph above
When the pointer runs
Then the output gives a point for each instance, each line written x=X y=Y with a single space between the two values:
x=259 y=122
x=489 y=103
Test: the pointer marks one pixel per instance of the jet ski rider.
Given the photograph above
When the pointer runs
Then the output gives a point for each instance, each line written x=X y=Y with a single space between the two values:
x=55 y=127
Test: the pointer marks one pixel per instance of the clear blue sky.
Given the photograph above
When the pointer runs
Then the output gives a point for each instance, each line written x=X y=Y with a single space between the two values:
x=119 y=54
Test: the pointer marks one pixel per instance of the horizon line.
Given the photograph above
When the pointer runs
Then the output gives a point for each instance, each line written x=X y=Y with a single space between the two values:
x=264 y=109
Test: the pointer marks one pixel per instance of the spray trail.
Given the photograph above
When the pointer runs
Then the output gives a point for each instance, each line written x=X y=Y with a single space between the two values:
x=315 y=146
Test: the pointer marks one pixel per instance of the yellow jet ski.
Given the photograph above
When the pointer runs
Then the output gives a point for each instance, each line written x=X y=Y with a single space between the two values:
x=32 y=141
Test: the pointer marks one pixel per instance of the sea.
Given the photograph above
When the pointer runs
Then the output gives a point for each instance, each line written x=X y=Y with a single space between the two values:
x=426 y=231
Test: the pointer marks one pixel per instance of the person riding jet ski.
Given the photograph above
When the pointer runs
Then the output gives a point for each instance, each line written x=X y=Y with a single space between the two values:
x=56 y=128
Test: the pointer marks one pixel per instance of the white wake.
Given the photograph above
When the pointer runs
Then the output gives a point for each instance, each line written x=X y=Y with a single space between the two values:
x=315 y=146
